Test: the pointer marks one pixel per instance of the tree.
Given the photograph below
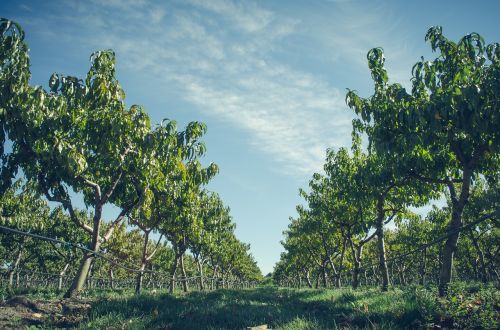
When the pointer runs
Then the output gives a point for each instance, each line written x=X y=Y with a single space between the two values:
x=447 y=128
x=80 y=138
x=21 y=208
x=215 y=221
x=354 y=205
x=178 y=208
x=14 y=78
x=77 y=138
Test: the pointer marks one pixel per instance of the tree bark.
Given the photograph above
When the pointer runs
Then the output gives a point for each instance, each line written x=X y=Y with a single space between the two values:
x=200 y=272
x=357 y=253
x=61 y=275
x=480 y=254
x=85 y=265
x=140 y=275
x=401 y=273
x=384 y=271
x=111 y=278
x=453 y=230
x=423 y=267
x=308 y=279
x=324 y=276
x=338 y=278
x=15 y=266
x=185 y=286
x=173 y=270
x=81 y=276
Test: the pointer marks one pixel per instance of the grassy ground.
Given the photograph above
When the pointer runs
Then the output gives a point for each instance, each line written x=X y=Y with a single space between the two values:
x=468 y=306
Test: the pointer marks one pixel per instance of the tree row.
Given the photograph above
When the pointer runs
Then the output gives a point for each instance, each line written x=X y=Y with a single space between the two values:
x=438 y=141
x=78 y=144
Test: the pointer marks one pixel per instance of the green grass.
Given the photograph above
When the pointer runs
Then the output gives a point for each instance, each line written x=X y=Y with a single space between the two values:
x=469 y=306
x=413 y=307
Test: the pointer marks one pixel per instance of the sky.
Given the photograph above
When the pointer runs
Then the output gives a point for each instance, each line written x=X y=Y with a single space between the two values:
x=267 y=77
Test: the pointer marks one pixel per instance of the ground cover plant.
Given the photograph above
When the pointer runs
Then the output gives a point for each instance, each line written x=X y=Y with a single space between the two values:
x=468 y=306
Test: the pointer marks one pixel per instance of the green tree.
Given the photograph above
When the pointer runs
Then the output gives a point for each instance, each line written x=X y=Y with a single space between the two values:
x=77 y=138
x=447 y=128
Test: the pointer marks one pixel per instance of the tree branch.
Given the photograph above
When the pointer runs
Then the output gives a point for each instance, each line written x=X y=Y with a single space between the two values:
x=118 y=219
x=367 y=239
x=413 y=174
x=111 y=189
x=148 y=258
x=66 y=203
x=93 y=185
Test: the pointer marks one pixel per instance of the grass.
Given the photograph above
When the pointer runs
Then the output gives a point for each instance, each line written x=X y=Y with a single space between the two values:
x=471 y=306
x=413 y=307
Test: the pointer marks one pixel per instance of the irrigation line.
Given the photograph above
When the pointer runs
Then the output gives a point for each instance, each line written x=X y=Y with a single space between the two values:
x=178 y=279
x=437 y=240
x=53 y=240
x=101 y=255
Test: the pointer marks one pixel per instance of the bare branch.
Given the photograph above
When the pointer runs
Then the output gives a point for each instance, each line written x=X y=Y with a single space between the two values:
x=148 y=258
x=93 y=185
x=119 y=219
x=66 y=203
x=368 y=238
x=111 y=189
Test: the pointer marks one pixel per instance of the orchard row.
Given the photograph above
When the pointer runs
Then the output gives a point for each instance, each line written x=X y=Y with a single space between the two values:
x=78 y=144
x=440 y=140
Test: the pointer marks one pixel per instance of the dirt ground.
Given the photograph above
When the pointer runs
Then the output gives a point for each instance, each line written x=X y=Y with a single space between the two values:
x=20 y=312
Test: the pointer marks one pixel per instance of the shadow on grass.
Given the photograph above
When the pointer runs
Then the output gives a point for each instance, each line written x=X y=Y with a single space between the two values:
x=238 y=309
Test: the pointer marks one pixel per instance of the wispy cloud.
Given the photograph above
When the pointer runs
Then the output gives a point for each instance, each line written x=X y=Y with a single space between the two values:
x=25 y=7
x=224 y=57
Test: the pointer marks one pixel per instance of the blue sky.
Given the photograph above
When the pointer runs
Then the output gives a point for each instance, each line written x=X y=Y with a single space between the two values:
x=268 y=77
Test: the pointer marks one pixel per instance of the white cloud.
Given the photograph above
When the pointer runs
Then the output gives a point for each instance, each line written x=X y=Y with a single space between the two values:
x=222 y=56
x=25 y=7
x=246 y=15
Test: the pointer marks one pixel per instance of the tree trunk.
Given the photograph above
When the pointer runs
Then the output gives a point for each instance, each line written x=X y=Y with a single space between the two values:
x=401 y=273
x=85 y=265
x=357 y=266
x=384 y=271
x=308 y=279
x=449 y=249
x=423 y=267
x=338 y=278
x=61 y=275
x=172 y=273
x=15 y=266
x=334 y=269
x=140 y=275
x=111 y=278
x=185 y=286
x=217 y=278
x=81 y=276
x=215 y=283
x=90 y=282
x=200 y=272
x=480 y=254
x=453 y=230
x=324 y=275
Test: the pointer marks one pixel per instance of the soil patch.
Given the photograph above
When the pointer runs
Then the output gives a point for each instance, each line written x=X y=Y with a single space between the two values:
x=20 y=311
